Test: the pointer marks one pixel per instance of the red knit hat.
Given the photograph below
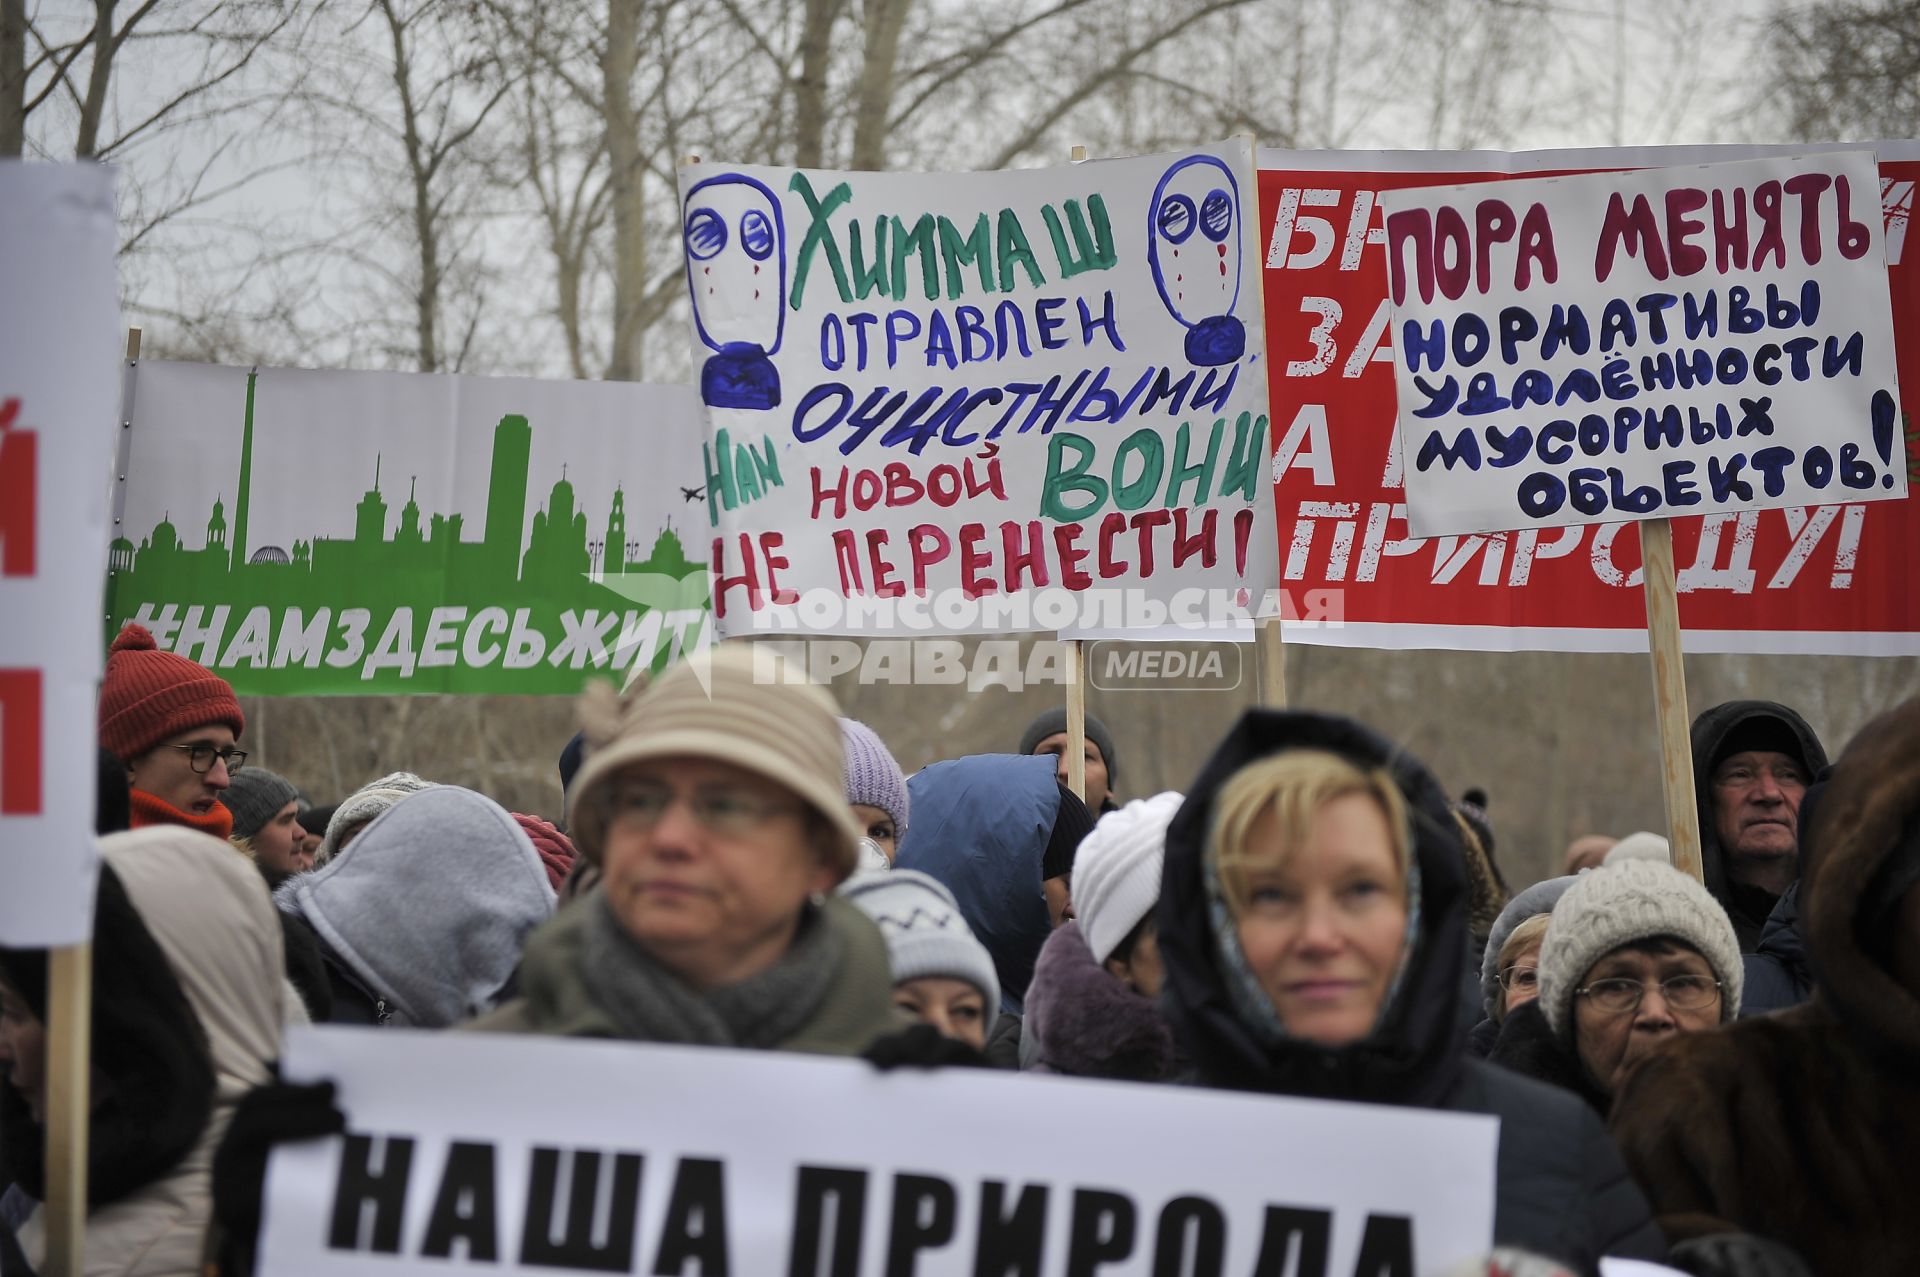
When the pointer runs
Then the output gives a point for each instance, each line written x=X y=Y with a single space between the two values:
x=149 y=695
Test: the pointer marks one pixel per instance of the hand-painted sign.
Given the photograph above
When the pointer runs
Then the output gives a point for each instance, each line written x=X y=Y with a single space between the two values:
x=961 y=402
x=1820 y=578
x=59 y=330
x=398 y=532
x=661 y=1159
x=1610 y=346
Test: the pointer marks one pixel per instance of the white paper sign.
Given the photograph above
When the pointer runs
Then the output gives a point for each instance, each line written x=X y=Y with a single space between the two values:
x=519 y=1154
x=982 y=402
x=1618 y=346
x=59 y=381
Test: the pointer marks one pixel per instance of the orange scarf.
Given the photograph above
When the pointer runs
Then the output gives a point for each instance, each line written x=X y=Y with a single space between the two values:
x=148 y=810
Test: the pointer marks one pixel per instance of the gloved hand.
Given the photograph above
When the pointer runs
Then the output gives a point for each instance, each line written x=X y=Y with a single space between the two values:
x=269 y=1115
x=1737 y=1255
x=922 y=1047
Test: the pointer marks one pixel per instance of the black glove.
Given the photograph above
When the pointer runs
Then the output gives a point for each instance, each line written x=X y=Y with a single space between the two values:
x=922 y=1047
x=269 y=1115
x=1737 y=1255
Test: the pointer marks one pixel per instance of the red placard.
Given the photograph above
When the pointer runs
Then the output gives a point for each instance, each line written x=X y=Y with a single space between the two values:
x=1819 y=579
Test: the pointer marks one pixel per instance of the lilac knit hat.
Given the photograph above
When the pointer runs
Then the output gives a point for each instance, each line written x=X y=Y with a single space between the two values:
x=873 y=778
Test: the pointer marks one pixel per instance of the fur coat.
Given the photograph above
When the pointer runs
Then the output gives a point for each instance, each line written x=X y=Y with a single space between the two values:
x=1083 y=1021
x=1804 y=1126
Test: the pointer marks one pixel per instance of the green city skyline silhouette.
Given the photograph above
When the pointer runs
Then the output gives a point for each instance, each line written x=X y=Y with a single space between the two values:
x=410 y=559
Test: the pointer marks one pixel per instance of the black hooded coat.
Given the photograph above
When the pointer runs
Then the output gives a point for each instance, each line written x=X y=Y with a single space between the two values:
x=1562 y=1190
x=1747 y=907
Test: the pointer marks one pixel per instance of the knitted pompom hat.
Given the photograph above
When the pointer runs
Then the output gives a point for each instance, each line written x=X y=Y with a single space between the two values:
x=874 y=779
x=148 y=695
x=1621 y=904
x=1116 y=875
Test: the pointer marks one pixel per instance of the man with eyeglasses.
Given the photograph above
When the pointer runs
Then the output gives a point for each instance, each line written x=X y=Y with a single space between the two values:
x=174 y=723
x=1752 y=763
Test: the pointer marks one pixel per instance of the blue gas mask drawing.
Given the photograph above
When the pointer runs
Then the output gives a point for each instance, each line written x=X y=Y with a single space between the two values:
x=1193 y=247
x=736 y=247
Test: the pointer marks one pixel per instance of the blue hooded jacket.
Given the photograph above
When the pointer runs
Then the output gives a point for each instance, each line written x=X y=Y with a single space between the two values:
x=980 y=827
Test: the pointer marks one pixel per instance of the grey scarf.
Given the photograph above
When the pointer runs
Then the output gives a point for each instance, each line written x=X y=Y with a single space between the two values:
x=648 y=1003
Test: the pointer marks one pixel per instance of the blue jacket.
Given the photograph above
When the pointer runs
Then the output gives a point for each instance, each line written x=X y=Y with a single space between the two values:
x=980 y=826
x=1777 y=973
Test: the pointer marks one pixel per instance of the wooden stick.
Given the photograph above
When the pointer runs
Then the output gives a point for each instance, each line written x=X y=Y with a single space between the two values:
x=1076 y=720
x=1660 y=584
x=1269 y=641
x=1273 y=663
x=69 y=1051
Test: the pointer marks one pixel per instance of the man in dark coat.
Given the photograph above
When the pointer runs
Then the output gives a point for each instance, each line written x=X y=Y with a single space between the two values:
x=1561 y=1190
x=1752 y=763
x=1804 y=1126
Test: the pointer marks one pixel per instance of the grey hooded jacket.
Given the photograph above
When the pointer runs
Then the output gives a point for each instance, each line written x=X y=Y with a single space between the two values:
x=428 y=909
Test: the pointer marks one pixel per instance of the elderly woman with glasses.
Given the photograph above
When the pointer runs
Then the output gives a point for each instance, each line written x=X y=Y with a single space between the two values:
x=1637 y=954
x=714 y=806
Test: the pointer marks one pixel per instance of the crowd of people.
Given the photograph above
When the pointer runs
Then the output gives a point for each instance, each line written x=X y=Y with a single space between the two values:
x=1719 y=1075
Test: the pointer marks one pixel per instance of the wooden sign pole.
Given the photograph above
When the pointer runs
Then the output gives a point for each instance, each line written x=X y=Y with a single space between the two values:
x=1660 y=584
x=1077 y=671
x=69 y=1053
x=1270 y=649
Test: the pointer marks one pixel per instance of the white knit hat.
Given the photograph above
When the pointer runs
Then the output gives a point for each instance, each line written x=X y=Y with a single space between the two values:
x=1116 y=874
x=1621 y=904
x=926 y=936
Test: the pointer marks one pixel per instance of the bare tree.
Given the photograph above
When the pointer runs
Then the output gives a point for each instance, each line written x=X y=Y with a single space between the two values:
x=13 y=77
x=1842 y=71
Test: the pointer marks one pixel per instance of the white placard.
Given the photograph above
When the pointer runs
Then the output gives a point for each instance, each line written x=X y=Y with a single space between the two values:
x=982 y=402
x=1617 y=346
x=757 y=1157
x=59 y=380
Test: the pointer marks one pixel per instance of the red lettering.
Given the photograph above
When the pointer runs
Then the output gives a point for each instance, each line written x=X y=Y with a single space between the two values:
x=902 y=487
x=885 y=584
x=1687 y=259
x=18 y=488
x=1242 y=530
x=722 y=583
x=1111 y=526
x=1808 y=187
x=770 y=543
x=1144 y=523
x=866 y=490
x=1066 y=542
x=846 y=556
x=930 y=545
x=1493 y=223
x=972 y=559
x=838 y=493
x=1636 y=232
x=1766 y=202
x=1029 y=559
x=1200 y=543
x=943 y=485
x=20 y=746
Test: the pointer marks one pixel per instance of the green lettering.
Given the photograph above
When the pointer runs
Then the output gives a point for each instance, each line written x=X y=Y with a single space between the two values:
x=919 y=240
x=1053 y=504
x=819 y=235
x=1013 y=248
x=976 y=248
x=1095 y=248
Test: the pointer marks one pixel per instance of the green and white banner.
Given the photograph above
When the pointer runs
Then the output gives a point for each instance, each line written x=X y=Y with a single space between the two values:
x=308 y=533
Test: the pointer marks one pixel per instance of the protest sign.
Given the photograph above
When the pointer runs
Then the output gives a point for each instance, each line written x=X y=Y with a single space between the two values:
x=1603 y=347
x=59 y=342
x=344 y=532
x=652 y=1158
x=981 y=402
x=1826 y=578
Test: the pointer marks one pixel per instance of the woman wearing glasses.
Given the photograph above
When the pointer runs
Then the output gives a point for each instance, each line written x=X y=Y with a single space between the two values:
x=1313 y=928
x=716 y=809
x=1637 y=953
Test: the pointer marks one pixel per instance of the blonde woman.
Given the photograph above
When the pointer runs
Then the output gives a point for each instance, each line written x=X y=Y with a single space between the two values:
x=1313 y=925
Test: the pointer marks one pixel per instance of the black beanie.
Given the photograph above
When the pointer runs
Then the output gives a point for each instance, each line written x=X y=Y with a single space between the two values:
x=571 y=756
x=1072 y=822
x=1055 y=720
